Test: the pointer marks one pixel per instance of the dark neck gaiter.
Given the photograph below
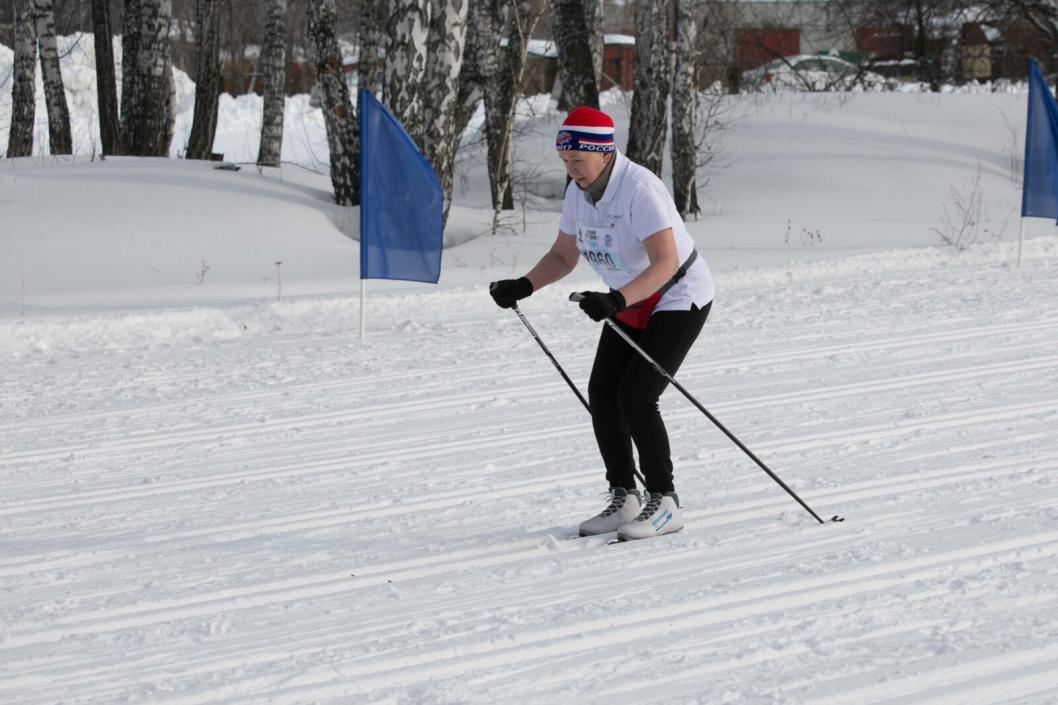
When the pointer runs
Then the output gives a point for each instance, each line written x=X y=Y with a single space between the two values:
x=598 y=187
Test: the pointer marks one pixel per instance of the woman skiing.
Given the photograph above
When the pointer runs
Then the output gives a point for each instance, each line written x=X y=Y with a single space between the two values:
x=619 y=217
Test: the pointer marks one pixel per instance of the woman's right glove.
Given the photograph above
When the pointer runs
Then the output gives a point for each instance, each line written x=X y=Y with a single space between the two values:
x=601 y=305
x=507 y=292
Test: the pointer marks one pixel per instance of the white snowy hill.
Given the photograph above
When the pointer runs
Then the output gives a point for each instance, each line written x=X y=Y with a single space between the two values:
x=215 y=492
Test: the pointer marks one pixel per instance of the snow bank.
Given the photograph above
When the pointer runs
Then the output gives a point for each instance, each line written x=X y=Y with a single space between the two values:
x=35 y=334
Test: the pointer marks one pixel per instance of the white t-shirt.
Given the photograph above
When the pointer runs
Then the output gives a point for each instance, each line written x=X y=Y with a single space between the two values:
x=610 y=233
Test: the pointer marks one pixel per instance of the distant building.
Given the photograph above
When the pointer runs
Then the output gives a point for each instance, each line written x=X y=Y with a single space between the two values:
x=618 y=62
x=541 y=67
x=765 y=31
x=747 y=34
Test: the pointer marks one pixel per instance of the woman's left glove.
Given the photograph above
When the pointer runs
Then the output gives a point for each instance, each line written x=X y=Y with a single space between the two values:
x=507 y=292
x=599 y=305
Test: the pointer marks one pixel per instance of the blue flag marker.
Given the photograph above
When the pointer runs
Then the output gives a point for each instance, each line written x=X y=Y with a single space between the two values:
x=401 y=201
x=1039 y=197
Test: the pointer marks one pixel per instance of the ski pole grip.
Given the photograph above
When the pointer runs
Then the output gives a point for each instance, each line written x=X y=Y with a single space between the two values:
x=576 y=296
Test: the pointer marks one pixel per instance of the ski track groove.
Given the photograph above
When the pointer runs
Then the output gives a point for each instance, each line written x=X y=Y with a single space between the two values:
x=360 y=676
x=344 y=418
x=371 y=453
x=692 y=368
x=380 y=670
x=729 y=513
x=304 y=588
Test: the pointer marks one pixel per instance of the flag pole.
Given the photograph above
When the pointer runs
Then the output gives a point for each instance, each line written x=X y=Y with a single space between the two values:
x=1021 y=239
x=361 y=127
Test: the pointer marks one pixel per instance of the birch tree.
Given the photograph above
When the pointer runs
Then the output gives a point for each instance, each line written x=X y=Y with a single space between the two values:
x=169 y=123
x=372 y=45
x=647 y=126
x=106 y=82
x=24 y=82
x=207 y=81
x=480 y=38
x=130 y=51
x=500 y=71
x=149 y=116
x=409 y=29
x=339 y=116
x=274 y=68
x=444 y=46
x=684 y=108
x=60 y=139
x=576 y=66
x=594 y=21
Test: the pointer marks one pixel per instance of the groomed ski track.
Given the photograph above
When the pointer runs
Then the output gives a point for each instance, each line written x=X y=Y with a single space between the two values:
x=251 y=505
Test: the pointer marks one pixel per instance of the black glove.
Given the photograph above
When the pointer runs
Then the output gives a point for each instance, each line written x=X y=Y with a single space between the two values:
x=507 y=292
x=599 y=305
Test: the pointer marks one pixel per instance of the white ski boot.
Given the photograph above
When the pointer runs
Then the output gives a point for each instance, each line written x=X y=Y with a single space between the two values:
x=660 y=515
x=624 y=507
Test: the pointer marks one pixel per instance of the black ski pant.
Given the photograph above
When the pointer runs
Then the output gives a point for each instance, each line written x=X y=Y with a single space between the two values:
x=624 y=390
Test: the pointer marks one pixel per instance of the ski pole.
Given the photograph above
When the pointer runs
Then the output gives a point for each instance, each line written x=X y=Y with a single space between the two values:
x=663 y=372
x=562 y=372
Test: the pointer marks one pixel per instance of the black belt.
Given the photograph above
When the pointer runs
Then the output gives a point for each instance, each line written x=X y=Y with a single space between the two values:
x=680 y=273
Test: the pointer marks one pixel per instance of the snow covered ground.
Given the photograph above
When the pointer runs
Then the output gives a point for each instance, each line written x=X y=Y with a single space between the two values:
x=216 y=492
x=252 y=505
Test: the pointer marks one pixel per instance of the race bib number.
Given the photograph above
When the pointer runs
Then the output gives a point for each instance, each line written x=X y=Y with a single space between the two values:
x=599 y=247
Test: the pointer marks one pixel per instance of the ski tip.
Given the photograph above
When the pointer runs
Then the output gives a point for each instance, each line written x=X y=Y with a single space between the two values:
x=836 y=519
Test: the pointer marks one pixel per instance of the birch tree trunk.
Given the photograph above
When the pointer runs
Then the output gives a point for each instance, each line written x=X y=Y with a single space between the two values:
x=170 y=104
x=23 y=82
x=576 y=66
x=483 y=71
x=60 y=139
x=445 y=45
x=472 y=79
x=106 y=82
x=594 y=19
x=409 y=30
x=338 y=113
x=684 y=109
x=372 y=45
x=502 y=91
x=149 y=133
x=646 y=130
x=207 y=81
x=274 y=67
x=130 y=51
